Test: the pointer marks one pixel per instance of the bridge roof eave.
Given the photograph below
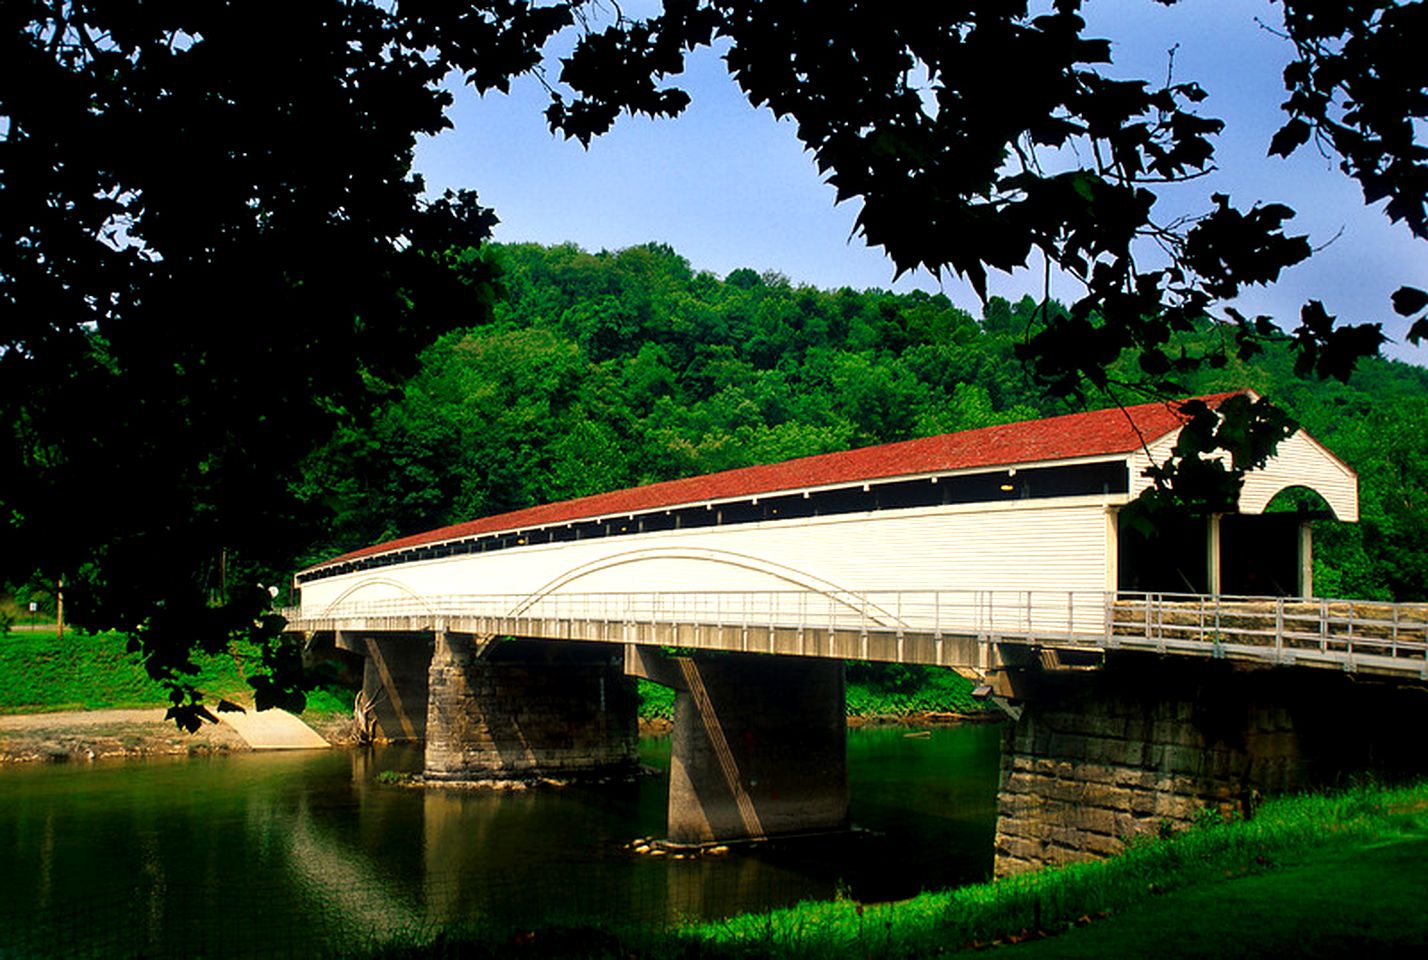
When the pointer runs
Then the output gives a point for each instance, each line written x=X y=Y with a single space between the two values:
x=470 y=531
x=1096 y=436
x=932 y=476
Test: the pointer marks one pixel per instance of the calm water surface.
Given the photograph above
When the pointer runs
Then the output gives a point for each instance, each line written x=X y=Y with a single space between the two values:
x=294 y=853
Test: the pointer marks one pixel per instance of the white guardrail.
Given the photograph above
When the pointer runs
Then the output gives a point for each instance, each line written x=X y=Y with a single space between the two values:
x=1346 y=633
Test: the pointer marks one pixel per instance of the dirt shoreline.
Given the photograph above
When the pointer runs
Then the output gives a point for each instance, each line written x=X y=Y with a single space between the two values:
x=97 y=735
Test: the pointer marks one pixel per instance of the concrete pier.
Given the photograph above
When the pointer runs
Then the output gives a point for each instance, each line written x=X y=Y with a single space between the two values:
x=759 y=746
x=528 y=708
x=394 y=682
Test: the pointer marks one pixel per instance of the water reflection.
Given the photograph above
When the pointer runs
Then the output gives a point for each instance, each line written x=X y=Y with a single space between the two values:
x=257 y=852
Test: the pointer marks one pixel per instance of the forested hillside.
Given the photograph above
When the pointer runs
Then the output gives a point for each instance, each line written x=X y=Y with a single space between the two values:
x=608 y=370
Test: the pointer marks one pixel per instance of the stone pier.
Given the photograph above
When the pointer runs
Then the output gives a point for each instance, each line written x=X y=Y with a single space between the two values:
x=394 y=682
x=759 y=746
x=528 y=708
x=1147 y=744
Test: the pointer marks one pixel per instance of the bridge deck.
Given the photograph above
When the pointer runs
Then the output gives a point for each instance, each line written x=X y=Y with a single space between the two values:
x=958 y=629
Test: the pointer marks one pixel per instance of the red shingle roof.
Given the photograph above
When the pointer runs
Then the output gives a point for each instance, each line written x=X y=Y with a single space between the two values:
x=1096 y=434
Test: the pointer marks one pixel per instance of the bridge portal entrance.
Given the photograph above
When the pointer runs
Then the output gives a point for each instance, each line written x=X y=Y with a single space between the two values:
x=1247 y=555
x=1175 y=558
x=1266 y=555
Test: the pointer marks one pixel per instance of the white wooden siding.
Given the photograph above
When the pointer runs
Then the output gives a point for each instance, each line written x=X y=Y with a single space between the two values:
x=1140 y=461
x=1036 y=545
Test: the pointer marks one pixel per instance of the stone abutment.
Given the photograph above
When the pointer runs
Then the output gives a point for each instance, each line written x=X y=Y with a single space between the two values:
x=1148 y=744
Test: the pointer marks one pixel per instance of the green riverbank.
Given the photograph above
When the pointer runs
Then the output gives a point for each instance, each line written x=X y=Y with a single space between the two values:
x=43 y=673
x=1318 y=876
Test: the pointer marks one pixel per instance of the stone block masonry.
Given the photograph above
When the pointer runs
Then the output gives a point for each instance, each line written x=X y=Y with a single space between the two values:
x=528 y=708
x=1147 y=744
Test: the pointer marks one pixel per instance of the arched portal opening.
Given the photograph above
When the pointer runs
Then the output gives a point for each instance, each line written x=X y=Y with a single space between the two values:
x=1271 y=554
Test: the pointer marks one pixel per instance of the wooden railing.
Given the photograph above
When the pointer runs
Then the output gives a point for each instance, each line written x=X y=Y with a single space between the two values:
x=1350 y=634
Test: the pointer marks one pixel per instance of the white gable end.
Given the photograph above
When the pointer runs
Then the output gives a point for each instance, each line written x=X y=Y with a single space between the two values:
x=1300 y=461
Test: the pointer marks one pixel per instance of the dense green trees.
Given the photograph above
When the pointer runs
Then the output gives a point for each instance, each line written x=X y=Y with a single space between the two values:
x=530 y=408
x=1385 y=555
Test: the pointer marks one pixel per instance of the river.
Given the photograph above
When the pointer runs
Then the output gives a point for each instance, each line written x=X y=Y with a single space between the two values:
x=295 y=853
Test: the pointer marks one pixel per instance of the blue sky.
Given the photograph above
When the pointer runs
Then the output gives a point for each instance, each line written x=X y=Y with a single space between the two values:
x=729 y=186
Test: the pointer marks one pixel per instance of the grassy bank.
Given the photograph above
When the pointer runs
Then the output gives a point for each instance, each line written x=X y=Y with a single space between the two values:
x=902 y=690
x=873 y=690
x=40 y=673
x=1320 y=834
x=1324 y=875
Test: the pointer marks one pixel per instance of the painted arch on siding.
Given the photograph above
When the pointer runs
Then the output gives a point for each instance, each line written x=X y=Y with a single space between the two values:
x=374 y=590
x=773 y=576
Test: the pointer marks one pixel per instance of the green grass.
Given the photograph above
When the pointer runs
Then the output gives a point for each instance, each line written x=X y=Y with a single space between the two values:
x=41 y=673
x=1323 y=838
x=1332 y=906
x=896 y=690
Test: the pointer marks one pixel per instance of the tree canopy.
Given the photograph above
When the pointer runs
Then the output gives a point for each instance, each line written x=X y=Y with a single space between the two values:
x=214 y=252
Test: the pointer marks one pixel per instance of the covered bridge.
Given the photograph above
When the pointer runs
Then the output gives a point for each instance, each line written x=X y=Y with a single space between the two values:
x=1026 y=508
